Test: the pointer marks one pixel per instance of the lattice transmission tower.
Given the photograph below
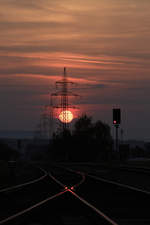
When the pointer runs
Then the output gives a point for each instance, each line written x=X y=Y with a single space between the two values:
x=60 y=112
x=66 y=110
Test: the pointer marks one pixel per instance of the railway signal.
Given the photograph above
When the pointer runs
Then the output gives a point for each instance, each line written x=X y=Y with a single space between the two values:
x=116 y=122
x=116 y=116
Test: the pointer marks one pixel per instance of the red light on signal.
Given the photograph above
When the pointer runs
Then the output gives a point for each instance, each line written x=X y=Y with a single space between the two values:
x=115 y=122
x=66 y=188
x=72 y=188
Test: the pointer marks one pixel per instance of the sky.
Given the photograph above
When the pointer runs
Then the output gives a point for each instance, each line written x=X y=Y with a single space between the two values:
x=104 y=44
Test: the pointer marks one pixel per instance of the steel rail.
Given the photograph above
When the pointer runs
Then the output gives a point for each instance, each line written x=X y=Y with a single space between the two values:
x=99 y=212
x=37 y=204
x=26 y=183
x=94 y=208
x=65 y=186
x=77 y=172
x=81 y=182
x=144 y=170
x=31 y=208
x=118 y=184
x=57 y=181
x=111 y=182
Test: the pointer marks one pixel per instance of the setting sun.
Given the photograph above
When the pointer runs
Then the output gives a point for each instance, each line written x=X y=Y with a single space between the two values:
x=66 y=116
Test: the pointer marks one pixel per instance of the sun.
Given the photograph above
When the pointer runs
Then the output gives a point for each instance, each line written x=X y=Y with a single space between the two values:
x=66 y=116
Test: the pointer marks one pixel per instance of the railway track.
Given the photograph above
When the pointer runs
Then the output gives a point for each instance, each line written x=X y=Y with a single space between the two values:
x=136 y=177
x=13 y=188
x=64 y=207
x=125 y=204
x=79 y=198
x=16 y=199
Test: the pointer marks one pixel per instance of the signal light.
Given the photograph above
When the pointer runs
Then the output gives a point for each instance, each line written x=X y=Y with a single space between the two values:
x=116 y=116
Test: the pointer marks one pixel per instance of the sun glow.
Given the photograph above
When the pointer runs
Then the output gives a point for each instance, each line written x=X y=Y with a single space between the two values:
x=66 y=116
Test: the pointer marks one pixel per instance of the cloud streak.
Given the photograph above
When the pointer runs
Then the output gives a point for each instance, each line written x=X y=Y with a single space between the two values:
x=103 y=44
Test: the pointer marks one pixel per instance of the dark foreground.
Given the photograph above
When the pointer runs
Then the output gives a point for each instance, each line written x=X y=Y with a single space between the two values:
x=117 y=202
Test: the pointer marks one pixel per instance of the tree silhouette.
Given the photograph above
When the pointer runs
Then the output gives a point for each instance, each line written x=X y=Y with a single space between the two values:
x=88 y=141
x=91 y=140
x=6 y=152
x=83 y=125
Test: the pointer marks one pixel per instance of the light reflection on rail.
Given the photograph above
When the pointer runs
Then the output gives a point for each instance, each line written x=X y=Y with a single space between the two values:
x=65 y=189
x=99 y=212
x=25 y=184
x=32 y=207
